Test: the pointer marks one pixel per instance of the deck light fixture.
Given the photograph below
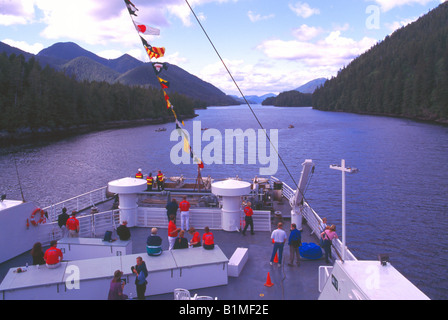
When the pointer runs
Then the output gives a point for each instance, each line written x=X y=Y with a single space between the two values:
x=343 y=169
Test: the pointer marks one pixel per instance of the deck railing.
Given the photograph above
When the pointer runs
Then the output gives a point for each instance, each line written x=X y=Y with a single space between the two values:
x=78 y=203
x=314 y=222
x=90 y=226
x=199 y=218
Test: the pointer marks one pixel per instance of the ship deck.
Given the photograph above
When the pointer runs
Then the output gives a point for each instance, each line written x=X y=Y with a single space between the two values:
x=289 y=282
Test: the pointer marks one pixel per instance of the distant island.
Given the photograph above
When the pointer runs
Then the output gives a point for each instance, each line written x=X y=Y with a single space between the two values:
x=290 y=99
x=300 y=97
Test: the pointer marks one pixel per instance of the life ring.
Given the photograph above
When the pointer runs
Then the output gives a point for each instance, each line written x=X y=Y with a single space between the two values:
x=38 y=218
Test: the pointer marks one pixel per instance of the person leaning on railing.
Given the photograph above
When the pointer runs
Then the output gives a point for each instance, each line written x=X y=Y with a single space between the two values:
x=327 y=236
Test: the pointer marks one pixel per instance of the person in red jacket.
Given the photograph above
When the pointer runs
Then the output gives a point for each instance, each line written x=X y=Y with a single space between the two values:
x=149 y=182
x=184 y=207
x=73 y=226
x=160 y=184
x=196 y=240
x=173 y=231
x=53 y=256
x=248 y=218
x=208 y=240
x=139 y=174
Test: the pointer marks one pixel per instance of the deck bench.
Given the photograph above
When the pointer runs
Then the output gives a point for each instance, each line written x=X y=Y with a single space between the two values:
x=237 y=262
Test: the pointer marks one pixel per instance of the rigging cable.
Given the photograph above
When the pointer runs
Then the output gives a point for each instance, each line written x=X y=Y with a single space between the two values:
x=236 y=84
x=250 y=107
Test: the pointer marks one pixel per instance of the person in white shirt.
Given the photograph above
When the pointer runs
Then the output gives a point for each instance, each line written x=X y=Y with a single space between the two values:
x=278 y=237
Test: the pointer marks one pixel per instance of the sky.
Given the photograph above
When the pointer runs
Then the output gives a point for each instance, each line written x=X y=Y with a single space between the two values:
x=268 y=46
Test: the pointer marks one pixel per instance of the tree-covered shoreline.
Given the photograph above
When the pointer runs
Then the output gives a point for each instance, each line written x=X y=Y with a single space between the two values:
x=405 y=75
x=42 y=101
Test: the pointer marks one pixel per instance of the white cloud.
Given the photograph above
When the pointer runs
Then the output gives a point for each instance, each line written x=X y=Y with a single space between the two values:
x=258 y=17
x=306 y=33
x=22 y=45
x=16 y=12
x=257 y=79
x=179 y=9
x=387 y=5
x=62 y=19
x=334 y=50
x=303 y=10
x=398 y=24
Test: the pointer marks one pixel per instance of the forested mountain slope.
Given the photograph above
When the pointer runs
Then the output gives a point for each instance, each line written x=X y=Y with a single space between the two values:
x=404 y=75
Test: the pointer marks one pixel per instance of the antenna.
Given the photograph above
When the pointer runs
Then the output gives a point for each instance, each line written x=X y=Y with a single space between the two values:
x=18 y=177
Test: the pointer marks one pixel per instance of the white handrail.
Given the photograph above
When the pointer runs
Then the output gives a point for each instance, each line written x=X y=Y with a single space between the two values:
x=314 y=220
x=77 y=203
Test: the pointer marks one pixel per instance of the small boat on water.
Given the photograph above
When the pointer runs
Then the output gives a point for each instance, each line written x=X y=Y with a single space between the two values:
x=160 y=130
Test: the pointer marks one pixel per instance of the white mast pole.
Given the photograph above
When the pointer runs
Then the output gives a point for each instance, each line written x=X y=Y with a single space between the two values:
x=343 y=169
x=343 y=210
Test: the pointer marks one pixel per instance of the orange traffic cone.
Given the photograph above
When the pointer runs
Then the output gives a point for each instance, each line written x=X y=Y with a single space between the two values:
x=276 y=258
x=268 y=281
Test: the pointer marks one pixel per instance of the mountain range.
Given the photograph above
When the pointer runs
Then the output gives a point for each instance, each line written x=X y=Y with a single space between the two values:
x=311 y=86
x=85 y=65
x=75 y=61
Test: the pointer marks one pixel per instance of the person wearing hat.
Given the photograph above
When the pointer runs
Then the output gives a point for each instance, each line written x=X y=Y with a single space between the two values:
x=116 y=287
x=139 y=174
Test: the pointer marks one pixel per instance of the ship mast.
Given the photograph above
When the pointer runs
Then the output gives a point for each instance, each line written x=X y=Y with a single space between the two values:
x=343 y=169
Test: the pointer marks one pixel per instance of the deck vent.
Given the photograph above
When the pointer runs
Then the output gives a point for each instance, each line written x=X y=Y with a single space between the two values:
x=384 y=259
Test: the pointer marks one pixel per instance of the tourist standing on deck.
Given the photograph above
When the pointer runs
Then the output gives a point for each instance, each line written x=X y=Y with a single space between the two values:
x=73 y=226
x=196 y=240
x=149 y=182
x=171 y=209
x=139 y=174
x=62 y=221
x=160 y=184
x=328 y=235
x=208 y=240
x=248 y=212
x=140 y=282
x=294 y=241
x=53 y=256
x=184 y=207
x=279 y=238
x=173 y=232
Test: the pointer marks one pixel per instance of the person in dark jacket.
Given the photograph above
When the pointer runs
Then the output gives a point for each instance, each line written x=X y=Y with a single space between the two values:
x=62 y=221
x=123 y=231
x=141 y=272
x=294 y=241
x=171 y=209
x=181 y=242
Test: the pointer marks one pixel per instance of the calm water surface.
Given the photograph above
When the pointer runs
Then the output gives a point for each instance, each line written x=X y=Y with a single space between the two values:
x=396 y=204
